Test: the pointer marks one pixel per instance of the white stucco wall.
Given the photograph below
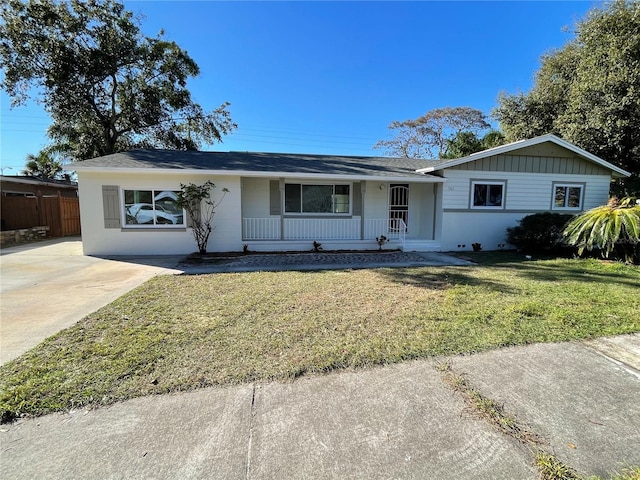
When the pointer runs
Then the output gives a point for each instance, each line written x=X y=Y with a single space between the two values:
x=460 y=230
x=526 y=193
x=456 y=229
x=376 y=200
x=98 y=240
x=421 y=211
x=255 y=196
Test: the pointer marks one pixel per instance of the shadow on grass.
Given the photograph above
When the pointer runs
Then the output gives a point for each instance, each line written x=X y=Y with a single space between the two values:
x=425 y=277
x=557 y=269
x=508 y=266
x=553 y=272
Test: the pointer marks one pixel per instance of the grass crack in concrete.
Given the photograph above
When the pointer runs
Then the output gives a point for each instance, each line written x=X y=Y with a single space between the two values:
x=549 y=467
x=252 y=414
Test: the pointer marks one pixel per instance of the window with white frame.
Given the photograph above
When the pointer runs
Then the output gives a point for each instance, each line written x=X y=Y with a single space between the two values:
x=487 y=194
x=567 y=196
x=158 y=208
x=317 y=198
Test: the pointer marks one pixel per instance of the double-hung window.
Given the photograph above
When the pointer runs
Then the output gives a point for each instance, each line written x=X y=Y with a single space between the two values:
x=567 y=196
x=317 y=198
x=147 y=208
x=487 y=194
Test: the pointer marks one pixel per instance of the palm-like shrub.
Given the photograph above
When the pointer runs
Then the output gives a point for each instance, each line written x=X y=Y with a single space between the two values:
x=612 y=228
x=43 y=165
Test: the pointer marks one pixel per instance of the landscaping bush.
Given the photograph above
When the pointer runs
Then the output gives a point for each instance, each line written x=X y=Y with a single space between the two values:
x=613 y=230
x=541 y=233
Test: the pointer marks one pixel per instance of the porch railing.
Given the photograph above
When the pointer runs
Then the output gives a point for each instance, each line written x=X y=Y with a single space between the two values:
x=261 y=228
x=322 y=229
x=392 y=228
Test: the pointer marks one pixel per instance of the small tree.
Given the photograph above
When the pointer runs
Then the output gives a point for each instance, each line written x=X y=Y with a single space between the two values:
x=197 y=202
x=612 y=228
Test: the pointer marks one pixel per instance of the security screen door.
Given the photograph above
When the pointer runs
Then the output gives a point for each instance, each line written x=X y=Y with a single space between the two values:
x=398 y=206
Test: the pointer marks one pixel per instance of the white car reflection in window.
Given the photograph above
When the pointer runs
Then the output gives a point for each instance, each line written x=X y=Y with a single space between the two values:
x=143 y=214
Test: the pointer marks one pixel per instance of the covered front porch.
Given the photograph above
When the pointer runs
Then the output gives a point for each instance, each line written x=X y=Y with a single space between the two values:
x=292 y=214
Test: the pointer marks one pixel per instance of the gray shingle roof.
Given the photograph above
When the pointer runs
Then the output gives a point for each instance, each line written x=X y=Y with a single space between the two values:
x=258 y=162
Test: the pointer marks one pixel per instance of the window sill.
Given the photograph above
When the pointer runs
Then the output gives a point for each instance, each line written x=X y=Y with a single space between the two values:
x=153 y=229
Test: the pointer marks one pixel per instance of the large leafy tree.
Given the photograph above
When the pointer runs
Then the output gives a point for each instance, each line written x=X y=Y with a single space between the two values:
x=465 y=143
x=588 y=92
x=106 y=86
x=430 y=135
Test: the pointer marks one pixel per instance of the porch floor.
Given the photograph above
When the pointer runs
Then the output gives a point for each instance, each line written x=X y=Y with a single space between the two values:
x=316 y=261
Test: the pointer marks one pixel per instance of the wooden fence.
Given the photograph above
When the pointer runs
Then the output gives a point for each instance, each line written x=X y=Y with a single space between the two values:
x=60 y=214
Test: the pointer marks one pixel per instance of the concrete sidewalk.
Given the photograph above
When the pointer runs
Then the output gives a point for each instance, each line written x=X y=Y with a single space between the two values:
x=399 y=421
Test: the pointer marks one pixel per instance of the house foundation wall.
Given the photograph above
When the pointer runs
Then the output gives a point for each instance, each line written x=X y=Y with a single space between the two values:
x=489 y=229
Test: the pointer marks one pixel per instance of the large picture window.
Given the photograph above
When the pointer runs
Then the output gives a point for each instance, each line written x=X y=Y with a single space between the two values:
x=316 y=199
x=567 y=196
x=152 y=208
x=487 y=194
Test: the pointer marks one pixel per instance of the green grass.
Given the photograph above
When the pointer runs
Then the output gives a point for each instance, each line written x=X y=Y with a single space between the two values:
x=186 y=332
x=550 y=468
x=487 y=408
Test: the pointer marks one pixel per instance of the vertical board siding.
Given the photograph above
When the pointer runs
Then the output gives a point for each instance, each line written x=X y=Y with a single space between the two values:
x=530 y=164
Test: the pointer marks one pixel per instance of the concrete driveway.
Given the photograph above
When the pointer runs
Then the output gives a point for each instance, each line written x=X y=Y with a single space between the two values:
x=50 y=285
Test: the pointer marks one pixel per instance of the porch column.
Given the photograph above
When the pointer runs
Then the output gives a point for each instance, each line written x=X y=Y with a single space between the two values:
x=363 y=189
x=281 y=185
x=438 y=190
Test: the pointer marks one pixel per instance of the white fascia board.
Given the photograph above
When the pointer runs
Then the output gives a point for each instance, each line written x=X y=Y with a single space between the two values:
x=418 y=178
x=590 y=156
x=523 y=144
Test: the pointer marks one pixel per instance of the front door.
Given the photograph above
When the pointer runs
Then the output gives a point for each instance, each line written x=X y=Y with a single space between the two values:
x=398 y=206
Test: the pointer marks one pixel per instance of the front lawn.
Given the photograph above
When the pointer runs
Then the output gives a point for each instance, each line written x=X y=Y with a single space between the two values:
x=185 y=332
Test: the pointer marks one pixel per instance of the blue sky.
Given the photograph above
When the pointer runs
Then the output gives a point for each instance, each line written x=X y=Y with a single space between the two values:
x=329 y=77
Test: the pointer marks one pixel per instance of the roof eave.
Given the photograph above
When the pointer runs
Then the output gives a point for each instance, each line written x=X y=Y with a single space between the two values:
x=419 y=178
x=528 y=143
